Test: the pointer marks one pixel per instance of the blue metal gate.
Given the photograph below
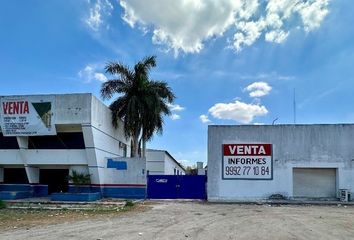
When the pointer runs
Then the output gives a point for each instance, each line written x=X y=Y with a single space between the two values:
x=176 y=186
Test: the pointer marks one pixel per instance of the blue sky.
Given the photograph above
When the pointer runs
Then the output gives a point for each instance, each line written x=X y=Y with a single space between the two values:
x=228 y=62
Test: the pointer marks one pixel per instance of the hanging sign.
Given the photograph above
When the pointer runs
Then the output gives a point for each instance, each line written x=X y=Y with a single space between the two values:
x=27 y=115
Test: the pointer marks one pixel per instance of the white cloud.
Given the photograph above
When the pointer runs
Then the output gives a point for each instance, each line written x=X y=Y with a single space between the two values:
x=99 y=10
x=204 y=118
x=258 y=89
x=313 y=13
x=185 y=26
x=248 y=33
x=90 y=73
x=238 y=111
x=100 y=77
x=268 y=76
x=175 y=107
x=277 y=36
x=175 y=116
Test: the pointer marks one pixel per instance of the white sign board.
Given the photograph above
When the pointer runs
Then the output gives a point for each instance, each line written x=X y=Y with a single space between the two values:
x=251 y=161
x=27 y=115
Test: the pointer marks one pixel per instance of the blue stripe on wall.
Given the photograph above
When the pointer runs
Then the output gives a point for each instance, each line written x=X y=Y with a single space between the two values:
x=125 y=192
x=128 y=192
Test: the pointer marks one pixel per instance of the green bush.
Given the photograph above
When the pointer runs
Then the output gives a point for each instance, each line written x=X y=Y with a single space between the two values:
x=2 y=204
x=129 y=203
x=79 y=178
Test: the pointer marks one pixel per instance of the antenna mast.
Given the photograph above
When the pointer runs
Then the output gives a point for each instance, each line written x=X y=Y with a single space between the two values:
x=294 y=106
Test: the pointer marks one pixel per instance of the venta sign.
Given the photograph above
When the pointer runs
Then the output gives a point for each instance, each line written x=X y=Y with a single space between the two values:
x=27 y=115
x=248 y=161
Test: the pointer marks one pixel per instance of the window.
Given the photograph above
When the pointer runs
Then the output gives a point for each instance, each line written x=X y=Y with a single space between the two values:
x=63 y=140
x=15 y=176
x=8 y=142
x=123 y=146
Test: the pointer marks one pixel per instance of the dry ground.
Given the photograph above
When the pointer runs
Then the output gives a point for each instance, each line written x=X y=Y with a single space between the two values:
x=194 y=220
x=22 y=218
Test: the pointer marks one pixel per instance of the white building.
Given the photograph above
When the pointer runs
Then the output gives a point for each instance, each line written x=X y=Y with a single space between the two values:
x=44 y=137
x=160 y=162
x=296 y=161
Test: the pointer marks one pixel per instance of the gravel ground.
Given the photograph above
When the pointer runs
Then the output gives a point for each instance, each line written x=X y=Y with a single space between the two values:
x=194 y=220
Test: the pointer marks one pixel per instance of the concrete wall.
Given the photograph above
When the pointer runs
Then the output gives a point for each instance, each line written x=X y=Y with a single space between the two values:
x=134 y=174
x=102 y=122
x=301 y=146
x=124 y=183
x=72 y=108
x=159 y=162
x=155 y=162
x=10 y=157
x=171 y=165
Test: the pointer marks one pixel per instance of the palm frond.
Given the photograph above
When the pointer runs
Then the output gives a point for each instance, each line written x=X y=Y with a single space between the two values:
x=111 y=87
x=119 y=69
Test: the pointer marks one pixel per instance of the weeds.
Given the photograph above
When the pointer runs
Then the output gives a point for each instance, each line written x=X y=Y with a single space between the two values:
x=129 y=203
x=2 y=204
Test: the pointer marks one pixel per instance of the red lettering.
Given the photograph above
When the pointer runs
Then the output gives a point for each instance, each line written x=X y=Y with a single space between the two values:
x=26 y=109
x=5 y=106
x=20 y=104
x=15 y=107
x=252 y=149
x=10 y=107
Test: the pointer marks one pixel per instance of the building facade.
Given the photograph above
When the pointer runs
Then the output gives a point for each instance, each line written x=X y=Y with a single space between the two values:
x=160 y=162
x=295 y=161
x=45 y=137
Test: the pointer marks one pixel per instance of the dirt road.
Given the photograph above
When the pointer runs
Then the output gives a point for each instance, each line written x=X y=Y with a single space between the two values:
x=192 y=220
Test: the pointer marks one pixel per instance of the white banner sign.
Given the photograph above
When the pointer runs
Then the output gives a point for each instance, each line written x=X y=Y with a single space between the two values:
x=251 y=161
x=27 y=115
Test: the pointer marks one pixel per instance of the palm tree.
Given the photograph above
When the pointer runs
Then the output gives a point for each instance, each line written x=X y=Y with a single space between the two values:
x=141 y=102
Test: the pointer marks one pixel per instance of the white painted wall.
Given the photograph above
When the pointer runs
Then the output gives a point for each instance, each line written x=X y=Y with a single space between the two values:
x=72 y=108
x=200 y=169
x=159 y=162
x=10 y=157
x=55 y=157
x=134 y=174
x=102 y=123
x=171 y=165
x=304 y=146
x=155 y=162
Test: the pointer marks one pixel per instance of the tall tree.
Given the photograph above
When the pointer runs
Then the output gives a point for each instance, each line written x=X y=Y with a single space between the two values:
x=141 y=102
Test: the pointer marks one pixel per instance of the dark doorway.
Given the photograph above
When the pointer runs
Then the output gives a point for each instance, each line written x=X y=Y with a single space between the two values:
x=56 y=179
x=15 y=176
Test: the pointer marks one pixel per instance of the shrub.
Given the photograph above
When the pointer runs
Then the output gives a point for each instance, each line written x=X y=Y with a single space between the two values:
x=129 y=203
x=2 y=204
x=79 y=178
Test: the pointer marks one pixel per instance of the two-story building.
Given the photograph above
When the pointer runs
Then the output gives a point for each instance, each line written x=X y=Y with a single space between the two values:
x=45 y=137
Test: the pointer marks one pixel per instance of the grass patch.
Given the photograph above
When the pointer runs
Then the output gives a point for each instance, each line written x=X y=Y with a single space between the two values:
x=27 y=218
x=2 y=204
